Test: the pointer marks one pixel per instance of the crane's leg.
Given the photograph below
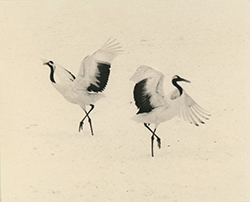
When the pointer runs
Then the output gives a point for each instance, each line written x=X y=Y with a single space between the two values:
x=152 y=145
x=90 y=123
x=158 y=139
x=153 y=132
x=152 y=137
x=87 y=115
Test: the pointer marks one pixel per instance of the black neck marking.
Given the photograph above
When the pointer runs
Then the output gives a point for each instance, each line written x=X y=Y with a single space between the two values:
x=174 y=82
x=51 y=73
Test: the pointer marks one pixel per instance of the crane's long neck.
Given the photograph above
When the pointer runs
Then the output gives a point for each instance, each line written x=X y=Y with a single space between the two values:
x=174 y=82
x=52 y=72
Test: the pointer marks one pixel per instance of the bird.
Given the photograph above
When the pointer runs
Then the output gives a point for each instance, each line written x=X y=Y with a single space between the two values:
x=87 y=87
x=154 y=107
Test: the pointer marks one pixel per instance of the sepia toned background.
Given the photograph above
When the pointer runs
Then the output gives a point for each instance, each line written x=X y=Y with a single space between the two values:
x=43 y=156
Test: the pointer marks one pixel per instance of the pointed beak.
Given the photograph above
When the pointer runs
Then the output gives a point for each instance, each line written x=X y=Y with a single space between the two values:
x=185 y=80
x=45 y=62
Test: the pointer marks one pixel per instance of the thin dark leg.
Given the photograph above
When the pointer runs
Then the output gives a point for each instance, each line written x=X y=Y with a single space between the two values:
x=87 y=115
x=152 y=145
x=152 y=138
x=90 y=125
x=158 y=139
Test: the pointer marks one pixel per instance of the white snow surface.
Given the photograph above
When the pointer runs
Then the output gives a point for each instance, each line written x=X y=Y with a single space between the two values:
x=43 y=156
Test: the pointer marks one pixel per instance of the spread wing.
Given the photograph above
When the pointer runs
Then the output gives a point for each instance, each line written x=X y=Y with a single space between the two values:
x=148 y=92
x=191 y=111
x=95 y=69
x=101 y=77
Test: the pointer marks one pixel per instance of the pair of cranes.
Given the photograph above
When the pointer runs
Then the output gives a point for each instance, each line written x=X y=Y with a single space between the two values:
x=154 y=106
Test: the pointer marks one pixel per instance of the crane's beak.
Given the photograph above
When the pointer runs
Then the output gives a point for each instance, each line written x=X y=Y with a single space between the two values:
x=45 y=62
x=185 y=80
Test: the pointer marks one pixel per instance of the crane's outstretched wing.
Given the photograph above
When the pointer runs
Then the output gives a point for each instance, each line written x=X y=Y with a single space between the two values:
x=148 y=90
x=95 y=69
x=191 y=111
x=101 y=78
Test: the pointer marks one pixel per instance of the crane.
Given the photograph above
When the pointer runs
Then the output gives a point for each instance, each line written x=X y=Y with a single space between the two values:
x=155 y=107
x=92 y=78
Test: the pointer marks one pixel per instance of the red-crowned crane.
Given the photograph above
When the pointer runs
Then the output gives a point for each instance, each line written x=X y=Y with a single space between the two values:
x=92 y=78
x=155 y=107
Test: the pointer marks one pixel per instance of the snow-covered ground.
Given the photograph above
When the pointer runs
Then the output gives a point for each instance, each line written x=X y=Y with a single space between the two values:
x=43 y=156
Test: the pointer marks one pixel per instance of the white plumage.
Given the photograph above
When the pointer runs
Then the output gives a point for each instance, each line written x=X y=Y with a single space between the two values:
x=91 y=80
x=155 y=107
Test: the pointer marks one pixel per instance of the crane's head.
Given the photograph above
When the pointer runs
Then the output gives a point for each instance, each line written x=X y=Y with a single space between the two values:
x=52 y=66
x=178 y=78
x=48 y=62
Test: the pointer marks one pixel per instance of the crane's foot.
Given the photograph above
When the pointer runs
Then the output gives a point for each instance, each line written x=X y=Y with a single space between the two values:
x=81 y=126
x=159 y=142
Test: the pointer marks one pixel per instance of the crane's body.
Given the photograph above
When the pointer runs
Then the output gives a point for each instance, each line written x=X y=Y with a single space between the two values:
x=155 y=107
x=81 y=98
x=92 y=78
x=71 y=91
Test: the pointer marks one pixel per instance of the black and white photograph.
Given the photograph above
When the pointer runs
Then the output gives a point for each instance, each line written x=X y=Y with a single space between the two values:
x=125 y=101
